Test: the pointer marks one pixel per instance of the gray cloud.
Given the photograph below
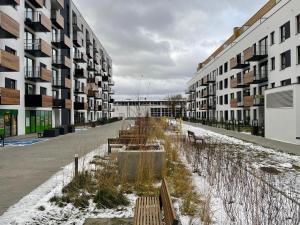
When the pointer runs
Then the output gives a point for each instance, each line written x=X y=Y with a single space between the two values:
x=156 y=45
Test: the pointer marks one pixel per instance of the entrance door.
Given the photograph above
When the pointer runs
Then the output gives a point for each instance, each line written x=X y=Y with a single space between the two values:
x=7 y=125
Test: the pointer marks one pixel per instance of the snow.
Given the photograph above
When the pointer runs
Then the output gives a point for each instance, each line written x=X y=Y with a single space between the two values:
x=26 y=211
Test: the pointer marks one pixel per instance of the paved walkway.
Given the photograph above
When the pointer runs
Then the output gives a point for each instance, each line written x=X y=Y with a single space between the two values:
x=268 y=143
x=22 y=169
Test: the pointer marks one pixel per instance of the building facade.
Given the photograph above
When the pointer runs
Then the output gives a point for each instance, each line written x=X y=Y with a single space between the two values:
x=151 y=108
x=53 y=69
x=259 y=61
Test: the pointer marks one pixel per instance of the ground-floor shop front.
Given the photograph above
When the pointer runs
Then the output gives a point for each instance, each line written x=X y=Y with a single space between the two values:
x=8 y=122
x=37 y=121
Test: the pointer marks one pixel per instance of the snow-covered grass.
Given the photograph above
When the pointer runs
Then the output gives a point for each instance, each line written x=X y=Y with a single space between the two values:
x=35 y=208
x=232 y=188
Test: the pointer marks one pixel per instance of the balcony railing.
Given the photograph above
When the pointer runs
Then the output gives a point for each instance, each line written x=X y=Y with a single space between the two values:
x=80 y=73
x=38 y=48
x=57 y=4
x=248 y=78
x=80 y=105
x=38 y=74
x=9 y=96
x=62 y=62
x=76 y=24
x=80 y=90
x=260 y=76
x=61 y=41
x=233 y=83
x=80 y=57
x=62 y=103
x=9 y=62
x=238 y=63
x=259 y=100
x=62 y=83
x=57 y=19
x=9 y=28
x=248 y=101
x=37 y=21
x=38 y=101
x=233 y=103
x=77 y=38
x=256 y=53
x=37 y=3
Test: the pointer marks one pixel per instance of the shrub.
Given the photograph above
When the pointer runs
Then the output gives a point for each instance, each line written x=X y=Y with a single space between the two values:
x=110 y=198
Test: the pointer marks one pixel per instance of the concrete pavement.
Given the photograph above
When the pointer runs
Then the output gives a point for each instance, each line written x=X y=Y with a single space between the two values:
x=22 y=169
x=268 y=143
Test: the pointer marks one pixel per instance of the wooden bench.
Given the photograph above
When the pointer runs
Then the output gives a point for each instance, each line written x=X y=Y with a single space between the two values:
x=125 y=141
x=155 y=210
x=194 y=139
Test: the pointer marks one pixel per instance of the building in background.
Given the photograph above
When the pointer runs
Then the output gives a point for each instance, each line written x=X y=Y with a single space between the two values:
x=254 y=77
x=151 y=108
x=53 y=69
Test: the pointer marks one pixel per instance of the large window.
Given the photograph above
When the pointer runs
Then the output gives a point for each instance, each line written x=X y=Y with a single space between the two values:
x=285 y=32
x=29 y=89
x=28 y=67
x=285 y=59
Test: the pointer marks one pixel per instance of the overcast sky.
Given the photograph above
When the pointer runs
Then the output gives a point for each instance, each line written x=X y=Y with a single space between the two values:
x=156 y=45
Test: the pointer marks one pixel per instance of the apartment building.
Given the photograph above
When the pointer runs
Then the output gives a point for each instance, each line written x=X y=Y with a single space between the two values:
x=151 y=108
x=254 y=76
x=53 y=69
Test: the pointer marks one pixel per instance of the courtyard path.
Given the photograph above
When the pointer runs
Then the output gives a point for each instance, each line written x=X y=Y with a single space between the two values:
x=22 y=169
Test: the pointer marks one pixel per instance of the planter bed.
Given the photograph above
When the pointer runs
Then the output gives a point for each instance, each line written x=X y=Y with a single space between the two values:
x=54 y=132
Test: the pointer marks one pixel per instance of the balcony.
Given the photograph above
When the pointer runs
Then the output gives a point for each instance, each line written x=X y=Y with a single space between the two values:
x=105 y=79
x=80 y=73
x=259 y=100
x=9 y=96
x=89 y=51
x=9 y=28
x=9 y=62
x=76 y=24
x=248 y=101
x=104 y=66
x=38 y=48
x=234 y=103
x=80 y=106
x=80 y=57
x=37 y=3
x=80 y=90
x=204 y=81
x=13 y=3
x=62 y=62
x=111 y=83
x=204 y=107
x=88 y=40
x=211 y=79
x=61 y=41
x=233 y=83
x=238 y=63
x=96 y=59
x=111 y=101
x=38 y=101
x=38 y=74
x=204 y=94
x=90 y=66
x=57 y=4
x=77 y=38
x=260 y=77
x=93 y=94
x=98 y=107
x=91 y=80
x=248 y=78
x=57 y=19
x=62 y=83
x=62 y=103
x=37 y=21
x=254 y=54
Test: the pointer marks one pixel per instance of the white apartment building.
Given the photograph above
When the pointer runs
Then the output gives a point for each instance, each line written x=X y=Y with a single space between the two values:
x=254 y=76
x=151 y=108
x=53 y=69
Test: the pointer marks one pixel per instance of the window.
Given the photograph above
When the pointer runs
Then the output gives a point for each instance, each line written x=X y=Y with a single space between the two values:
x=286 y=82
x=10 y=83
x=221 y=100
x=225 y=83
x=298 y=24
x=273 y=63
x=221 y=70
x=226 y=67
x=285 y=32
x=272 y=38
x=221 y=85
x=29 y=89
x=28 y=67
x=286 y=59
x=10 y=50
x=273 y=85
x=298 y=54
x=43 y=91
x=226 y=99
x=231 y=96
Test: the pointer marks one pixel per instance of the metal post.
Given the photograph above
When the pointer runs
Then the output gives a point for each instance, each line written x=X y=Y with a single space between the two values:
x=76 y=165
